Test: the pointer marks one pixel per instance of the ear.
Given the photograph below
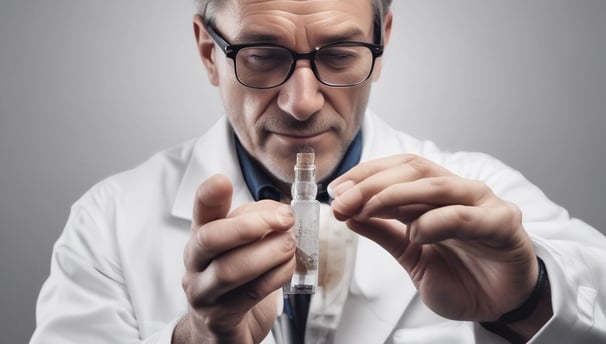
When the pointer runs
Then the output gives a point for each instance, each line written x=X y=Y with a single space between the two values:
x=206 y=48
x=386 y=35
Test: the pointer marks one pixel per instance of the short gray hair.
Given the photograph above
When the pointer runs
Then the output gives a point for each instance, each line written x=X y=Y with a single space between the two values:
x=380 y=6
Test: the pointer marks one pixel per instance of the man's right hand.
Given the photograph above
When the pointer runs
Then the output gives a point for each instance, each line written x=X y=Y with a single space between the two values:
x=235 y=263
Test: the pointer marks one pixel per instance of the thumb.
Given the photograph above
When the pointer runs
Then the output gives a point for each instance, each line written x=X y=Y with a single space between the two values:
x=212 y=200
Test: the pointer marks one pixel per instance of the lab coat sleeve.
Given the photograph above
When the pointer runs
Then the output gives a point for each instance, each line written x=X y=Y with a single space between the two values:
x=85 y=298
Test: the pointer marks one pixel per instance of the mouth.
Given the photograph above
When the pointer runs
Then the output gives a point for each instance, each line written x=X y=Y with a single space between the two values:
x=295 y=138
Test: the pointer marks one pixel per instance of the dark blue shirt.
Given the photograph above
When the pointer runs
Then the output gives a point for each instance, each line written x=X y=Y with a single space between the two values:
x=260 y=184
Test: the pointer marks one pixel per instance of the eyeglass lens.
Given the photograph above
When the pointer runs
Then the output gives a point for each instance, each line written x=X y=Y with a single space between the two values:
x=338 y=65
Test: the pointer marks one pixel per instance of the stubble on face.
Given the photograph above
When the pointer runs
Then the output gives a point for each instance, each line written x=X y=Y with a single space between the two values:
x=333 y=147
x=338 y=130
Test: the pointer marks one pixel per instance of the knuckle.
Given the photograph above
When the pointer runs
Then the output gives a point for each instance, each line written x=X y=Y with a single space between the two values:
x=463 y=217
x=189 y=289
x=457 y=218
x=239 y=232
x=418 y=164
x=440 y=183
x=280 y=245
x=191 y=258
x=187 y=260
x=288 y=243
x=224 y=274
x=186 y=284
x=514 y=213
x=476 y=184
x=407 y=157
x=483 y=193
x=368 y=168
x=484 y=188
x=205 y=238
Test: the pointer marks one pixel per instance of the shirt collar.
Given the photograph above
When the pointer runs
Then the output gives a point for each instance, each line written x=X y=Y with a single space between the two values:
x=261 y=187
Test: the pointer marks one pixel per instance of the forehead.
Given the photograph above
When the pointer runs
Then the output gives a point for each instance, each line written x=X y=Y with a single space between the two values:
x=295 y=21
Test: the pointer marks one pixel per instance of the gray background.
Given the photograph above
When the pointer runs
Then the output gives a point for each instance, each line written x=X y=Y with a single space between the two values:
x=90 y=88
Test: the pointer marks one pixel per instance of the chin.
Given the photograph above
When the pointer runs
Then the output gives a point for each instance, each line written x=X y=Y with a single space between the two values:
x=279 y=170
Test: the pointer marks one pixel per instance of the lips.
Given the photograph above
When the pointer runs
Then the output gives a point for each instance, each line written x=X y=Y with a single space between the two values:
x=301 y=137
x=287 y=130
x=299 y=132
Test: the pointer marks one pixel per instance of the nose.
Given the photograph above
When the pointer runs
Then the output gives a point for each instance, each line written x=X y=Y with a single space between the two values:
x=301 y=96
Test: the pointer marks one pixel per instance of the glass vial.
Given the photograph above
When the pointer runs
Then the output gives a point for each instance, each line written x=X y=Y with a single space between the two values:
x=307 y=213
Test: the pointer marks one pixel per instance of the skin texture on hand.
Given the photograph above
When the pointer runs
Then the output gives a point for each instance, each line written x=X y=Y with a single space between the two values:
x=235 y=262
x=464 y=248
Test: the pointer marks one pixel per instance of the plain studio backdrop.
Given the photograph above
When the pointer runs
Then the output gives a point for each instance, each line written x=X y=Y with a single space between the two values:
x=90 y=88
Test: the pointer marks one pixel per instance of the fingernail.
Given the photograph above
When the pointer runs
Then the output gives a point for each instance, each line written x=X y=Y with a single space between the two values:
x=285 y=215
x=331 y=191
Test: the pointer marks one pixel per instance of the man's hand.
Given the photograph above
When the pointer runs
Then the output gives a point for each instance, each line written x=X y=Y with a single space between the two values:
x=464 y=248
x=234 y=264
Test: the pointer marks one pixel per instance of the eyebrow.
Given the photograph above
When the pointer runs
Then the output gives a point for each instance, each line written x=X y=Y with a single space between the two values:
x=258 y=37
x=349 y=35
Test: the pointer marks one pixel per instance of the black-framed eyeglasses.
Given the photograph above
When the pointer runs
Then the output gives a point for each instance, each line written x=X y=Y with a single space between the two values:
x=267 y=65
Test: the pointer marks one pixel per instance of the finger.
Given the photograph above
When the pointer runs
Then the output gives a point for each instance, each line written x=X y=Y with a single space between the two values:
x=245 y=225
x=217 y=237
x=370 y=168
x=249 y=295
x=351 y=195
x=392 y=236
x=406 y=201
x=260 y=297
x=238 y=267
x=417 y=167
x=404 y=213
x=495 y=226
x=212 y=200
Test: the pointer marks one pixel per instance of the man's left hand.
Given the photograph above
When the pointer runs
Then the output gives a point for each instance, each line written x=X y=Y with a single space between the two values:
x=464 y=248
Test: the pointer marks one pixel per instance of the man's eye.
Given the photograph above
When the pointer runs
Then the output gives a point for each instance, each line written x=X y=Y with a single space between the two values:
x=338 y=57
x=260 y=58
x=263 y=57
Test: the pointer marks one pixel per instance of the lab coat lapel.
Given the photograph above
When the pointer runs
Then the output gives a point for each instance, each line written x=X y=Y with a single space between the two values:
x=380 y=292
x=213 y=153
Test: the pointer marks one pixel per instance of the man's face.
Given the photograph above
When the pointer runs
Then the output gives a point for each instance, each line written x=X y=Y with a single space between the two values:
x=274 y=124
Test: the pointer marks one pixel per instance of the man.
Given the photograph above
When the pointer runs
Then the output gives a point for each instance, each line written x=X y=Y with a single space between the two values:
x=449 y=247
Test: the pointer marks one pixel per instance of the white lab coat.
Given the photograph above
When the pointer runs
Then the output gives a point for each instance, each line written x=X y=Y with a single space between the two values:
x=117 y=268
